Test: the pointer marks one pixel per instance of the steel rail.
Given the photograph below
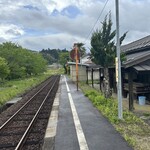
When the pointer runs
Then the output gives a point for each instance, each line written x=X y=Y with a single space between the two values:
x=24 y=137
x=5 y=123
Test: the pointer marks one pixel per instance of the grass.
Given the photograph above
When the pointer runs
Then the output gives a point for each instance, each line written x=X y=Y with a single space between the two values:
x=11 y=89
x=134 y=130
x=146 y=114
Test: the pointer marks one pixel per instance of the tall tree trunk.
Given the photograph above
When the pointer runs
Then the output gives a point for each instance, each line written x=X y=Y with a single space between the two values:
x=106 y=83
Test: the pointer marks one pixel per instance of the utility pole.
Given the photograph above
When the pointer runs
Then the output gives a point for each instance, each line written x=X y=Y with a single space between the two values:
x=118 y=64
x=77 y=57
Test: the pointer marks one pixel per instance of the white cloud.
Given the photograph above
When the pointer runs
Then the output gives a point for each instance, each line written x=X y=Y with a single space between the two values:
x=32 y=21
x=49 y=41
x=10 y=31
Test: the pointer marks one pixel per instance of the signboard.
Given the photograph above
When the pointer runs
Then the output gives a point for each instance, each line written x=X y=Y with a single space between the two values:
x=73 y=54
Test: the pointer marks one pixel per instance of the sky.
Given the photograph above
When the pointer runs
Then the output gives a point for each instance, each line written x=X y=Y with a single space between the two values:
x=57 y=24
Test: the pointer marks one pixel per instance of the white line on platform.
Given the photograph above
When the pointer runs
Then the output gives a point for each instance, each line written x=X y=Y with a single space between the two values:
x=81 y=137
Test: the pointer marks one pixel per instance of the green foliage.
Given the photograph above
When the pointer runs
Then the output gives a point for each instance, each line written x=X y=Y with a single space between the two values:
x=63 y=57
x=103 y=49
x=16 y=71
x=4 y=68
x=35 y=64
x=132 y=128
x=123 y=57
x=12 y=88
x=130 y=140
x=55 y=55
x=129 y=117
x=107 y=106
x=51 y=55
x=146 y=114
x=22 y=62
x=82 y=49
x=48 y=57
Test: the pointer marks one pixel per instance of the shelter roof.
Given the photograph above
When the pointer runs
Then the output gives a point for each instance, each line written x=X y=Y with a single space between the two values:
x=137 y=52
x=139 y=45
x=74 y=63
x=136 y=58
x=142 y=67
x=87 y=65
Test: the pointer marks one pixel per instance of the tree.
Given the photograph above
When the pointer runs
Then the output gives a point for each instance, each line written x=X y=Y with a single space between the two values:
x=63 y=59
x=103 y=48
x=22 y=62
x=82 y=49
x=51 y=55
x=56 y=56
x=4 y=69
x=36 y=64
x=49 y=58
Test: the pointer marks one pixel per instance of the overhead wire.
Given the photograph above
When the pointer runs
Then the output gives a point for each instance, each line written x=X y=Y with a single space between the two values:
x=96 y=21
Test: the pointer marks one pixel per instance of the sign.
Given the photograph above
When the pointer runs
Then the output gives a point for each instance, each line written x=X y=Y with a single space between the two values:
x=73 y=54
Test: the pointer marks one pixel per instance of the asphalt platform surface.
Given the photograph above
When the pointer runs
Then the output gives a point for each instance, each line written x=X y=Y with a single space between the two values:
x=80 y=126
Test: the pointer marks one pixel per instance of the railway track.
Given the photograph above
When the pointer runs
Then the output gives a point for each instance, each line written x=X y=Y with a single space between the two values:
x=25 y=129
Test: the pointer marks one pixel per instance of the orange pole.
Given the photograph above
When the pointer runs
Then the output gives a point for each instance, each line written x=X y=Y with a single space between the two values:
x=76 y=52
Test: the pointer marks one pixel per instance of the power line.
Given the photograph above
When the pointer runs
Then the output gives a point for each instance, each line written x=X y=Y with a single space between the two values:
x=96 y=21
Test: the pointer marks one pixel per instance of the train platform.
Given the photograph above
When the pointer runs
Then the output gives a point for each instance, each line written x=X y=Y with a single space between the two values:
x=75 y=124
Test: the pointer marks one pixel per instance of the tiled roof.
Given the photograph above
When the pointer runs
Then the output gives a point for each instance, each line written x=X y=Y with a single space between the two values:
x=136 y=45
x=136 y=58
x=142 y=67
x=88 y=62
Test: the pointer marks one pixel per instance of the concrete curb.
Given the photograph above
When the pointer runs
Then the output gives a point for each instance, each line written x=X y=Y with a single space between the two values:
x=49 y=139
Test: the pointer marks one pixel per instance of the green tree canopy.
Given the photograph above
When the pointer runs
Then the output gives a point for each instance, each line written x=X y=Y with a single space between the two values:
x=82 y=49
x=55 y=55
x=4 y=68
x=51 y=55
x=22 y=62
x=63 y=57
x=103 y=49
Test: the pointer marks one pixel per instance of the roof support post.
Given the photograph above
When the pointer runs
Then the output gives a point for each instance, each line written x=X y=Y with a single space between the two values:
x=92 y=77
x=130 y=84
x=87 y=70
x=100 y=79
